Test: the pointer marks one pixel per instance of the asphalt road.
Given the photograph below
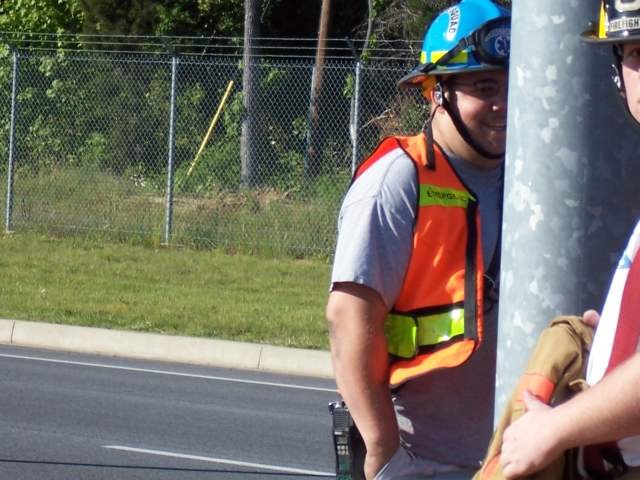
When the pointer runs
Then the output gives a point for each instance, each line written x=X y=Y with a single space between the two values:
x=68 y=416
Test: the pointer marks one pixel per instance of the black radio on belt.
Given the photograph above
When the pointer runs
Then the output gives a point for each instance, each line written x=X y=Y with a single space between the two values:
x=348 y=444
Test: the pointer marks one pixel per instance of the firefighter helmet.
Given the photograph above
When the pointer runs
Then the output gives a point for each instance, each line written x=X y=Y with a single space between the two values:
x=618 y=22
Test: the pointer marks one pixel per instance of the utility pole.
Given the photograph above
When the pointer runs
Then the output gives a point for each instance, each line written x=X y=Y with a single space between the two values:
x=570 y=168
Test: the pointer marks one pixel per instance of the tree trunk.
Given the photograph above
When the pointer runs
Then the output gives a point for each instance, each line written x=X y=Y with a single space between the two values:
x=249 y=174
x=314 y=136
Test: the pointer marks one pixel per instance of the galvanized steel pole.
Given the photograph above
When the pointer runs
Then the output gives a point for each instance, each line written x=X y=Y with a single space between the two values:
x=568 y=192
x=355 y=118
x=12 y=142
x=172 y=149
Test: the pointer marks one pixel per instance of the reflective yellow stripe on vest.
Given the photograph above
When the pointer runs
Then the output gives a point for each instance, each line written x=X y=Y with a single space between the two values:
x=405 y=333
x=446 y=197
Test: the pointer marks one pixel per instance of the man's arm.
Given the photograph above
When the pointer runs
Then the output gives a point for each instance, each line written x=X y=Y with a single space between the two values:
x=356 y=316
x=608 y=411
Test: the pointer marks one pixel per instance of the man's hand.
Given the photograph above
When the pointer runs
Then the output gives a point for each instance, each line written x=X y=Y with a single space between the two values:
x=530 y=443
x=591 y=318
x=374 y=461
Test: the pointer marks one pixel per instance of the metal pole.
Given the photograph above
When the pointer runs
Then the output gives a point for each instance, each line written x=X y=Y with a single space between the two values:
x=12 y=142
x=355 y=126
x=172 y=149
x=568 y=199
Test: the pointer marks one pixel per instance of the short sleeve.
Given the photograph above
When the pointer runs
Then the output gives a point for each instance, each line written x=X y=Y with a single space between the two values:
x=375 y=227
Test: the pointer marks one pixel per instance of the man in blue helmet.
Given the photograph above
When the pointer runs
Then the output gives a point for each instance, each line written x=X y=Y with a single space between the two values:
x=411 y=311
x=606 y=417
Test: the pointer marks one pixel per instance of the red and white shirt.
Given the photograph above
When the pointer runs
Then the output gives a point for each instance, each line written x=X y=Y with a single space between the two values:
x=603 y=343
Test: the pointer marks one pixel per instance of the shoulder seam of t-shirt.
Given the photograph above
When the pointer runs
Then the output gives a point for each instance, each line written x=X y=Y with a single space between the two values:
x=390 y=157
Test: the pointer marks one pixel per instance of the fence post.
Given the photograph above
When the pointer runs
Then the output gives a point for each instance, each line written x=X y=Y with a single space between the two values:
x=172 y=149
x=355 y=119
x=12 y=141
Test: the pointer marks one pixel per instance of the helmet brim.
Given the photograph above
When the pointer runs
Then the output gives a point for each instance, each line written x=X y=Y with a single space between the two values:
x=416 y=77
x=591 y=36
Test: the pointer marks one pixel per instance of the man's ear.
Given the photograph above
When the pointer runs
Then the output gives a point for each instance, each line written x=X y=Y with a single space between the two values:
x=616 y=76
x=437 y=94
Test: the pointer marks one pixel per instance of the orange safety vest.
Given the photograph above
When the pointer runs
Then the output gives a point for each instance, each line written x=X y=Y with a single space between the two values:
x=437 y=319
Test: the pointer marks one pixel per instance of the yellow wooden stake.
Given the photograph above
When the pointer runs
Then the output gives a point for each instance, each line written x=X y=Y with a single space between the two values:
x=214 y=121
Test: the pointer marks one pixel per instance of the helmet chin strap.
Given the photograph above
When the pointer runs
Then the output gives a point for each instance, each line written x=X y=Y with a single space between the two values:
x=616 y=67
x=464 y=131
x=618 y=80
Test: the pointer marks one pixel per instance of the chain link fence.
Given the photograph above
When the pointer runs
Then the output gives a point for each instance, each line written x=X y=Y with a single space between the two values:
x=149 y=147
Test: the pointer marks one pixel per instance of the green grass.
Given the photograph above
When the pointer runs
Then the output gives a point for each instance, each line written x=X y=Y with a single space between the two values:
x=265 y=221
x=206 y=293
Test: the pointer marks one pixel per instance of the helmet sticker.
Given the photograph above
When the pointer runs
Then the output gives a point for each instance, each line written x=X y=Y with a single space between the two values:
x=499 y=41
x=628 y=23
x=603 y=23
x=454 y=22
x=626 y=5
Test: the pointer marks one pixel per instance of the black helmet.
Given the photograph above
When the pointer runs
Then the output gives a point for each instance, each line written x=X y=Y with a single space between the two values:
x=619 y=22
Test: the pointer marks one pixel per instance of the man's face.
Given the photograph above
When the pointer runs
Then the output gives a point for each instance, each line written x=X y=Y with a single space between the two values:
x=631 y=76
x=481 y=101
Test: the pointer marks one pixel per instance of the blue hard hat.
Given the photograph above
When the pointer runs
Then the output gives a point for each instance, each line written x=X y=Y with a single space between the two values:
x=471 y=35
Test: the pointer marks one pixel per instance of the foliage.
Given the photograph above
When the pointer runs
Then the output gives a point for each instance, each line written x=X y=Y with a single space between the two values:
x=393 y=19
x=106 y=114
x=163 y=17
x=280 y=140
x=135 y=17
x=50 y=16
x=112 y=114
x=130 y=17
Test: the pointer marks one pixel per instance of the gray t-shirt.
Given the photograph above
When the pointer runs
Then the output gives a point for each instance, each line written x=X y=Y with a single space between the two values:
x=446 y=416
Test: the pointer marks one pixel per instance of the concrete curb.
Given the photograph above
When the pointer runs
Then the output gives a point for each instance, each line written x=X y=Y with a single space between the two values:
x=152 y=346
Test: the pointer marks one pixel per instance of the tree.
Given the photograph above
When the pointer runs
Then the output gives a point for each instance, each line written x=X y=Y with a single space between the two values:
x=314 y=140
x=248 y=156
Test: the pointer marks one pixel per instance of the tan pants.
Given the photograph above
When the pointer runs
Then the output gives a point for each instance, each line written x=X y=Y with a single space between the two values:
x=406 y=466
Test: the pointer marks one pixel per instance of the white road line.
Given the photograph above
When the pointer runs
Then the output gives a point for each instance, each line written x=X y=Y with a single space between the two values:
x=221 y=460
x=167 y=372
